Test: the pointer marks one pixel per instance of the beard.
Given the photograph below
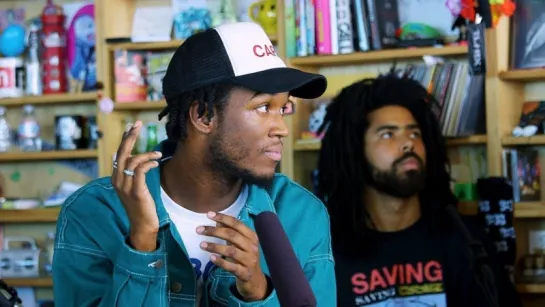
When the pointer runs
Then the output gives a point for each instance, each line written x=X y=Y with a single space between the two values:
x=392 y=183
x=224 y=158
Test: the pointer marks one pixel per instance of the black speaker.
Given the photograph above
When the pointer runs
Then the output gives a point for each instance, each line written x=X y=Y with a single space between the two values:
x=496 y=211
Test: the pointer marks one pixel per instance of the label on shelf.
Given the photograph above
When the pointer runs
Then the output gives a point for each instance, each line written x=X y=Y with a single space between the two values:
x=106 y=105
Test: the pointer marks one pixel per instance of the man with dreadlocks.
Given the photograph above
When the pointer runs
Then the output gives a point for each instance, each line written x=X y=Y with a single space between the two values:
x=175 y=227
x=383 y=175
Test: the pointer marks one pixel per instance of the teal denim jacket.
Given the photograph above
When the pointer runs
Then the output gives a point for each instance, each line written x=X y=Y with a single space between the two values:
x=93 y=265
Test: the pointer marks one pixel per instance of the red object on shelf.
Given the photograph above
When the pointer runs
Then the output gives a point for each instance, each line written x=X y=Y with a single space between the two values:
x=54 y=55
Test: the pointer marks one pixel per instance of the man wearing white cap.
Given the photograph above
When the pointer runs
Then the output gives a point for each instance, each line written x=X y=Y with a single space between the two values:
x=176 y=227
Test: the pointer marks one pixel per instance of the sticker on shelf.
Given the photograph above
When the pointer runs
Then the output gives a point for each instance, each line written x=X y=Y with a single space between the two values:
x=106 y=105
x=432 y=60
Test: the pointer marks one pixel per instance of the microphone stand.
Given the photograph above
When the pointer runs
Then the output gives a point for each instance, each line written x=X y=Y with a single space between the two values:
x=478 y=259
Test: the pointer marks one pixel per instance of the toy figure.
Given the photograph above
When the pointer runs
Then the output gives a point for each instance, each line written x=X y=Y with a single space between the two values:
x=531 y=120
x=461 y=24
x=465 y=12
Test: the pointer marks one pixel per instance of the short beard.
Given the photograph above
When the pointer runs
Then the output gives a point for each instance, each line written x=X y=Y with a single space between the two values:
x=225 y=166
x=390 y=183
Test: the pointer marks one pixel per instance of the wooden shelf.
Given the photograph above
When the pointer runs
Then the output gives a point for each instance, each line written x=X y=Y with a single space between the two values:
x=314 y=145
x=531 y=288
x=530 y=210
x=52 y=99
x=523 y=141
x=523 y=75
x=523 y=210
x=173 y=44
x=43 y=215
x=42 y=282
x=140 y=105
x=307 y=145
x=18 y=156
x=478 y=139
x=376 y=56
x=468 y=207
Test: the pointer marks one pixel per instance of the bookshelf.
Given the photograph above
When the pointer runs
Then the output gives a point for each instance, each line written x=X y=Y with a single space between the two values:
x=47 y=155
x=45 y=215
x=526 y=75
x=41 y=282
x=50 y=100
x=35 y=168
x=505 y=91
x=140 y=106
x=360 y=58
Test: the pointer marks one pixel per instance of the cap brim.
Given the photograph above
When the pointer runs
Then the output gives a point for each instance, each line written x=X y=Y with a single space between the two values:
x=298 y=83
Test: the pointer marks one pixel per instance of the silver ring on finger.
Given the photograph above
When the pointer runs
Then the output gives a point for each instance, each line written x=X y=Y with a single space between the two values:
x=115 y=164
x=128 y=172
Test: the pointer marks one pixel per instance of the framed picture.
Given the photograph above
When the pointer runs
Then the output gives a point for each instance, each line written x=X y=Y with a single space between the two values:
x=528 y=35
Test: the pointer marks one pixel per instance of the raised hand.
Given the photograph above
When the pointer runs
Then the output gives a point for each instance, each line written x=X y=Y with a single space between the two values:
x=241 y=254
x=129 y=181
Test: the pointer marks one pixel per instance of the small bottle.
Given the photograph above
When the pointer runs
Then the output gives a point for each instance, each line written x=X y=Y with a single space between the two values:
x=142 y=143
x=152 y=140
x=29 y=131
x=5 y=131
x=162 y=133
x=49 y=249
x=32 y=66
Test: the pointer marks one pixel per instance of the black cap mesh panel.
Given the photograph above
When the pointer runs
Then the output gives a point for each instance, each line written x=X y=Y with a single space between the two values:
x=201 y=60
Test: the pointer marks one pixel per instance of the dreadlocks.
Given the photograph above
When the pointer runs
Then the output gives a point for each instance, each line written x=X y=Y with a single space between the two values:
x=209 y=98
x=342 y=165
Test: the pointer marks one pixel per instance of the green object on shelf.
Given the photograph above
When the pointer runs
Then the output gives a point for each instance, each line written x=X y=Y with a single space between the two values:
x=15 y=176
x=413 y=30
x=465 y=191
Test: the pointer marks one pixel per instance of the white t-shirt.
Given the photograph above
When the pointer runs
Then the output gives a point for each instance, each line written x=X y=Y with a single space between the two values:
x=187 y=221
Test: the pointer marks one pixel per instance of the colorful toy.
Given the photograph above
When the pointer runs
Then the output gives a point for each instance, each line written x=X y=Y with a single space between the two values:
x=467 y=9
x=417 y=30
x=462 y=8
x=12 y=41
x=500 y=8
x=191 y=21
x=81 y=47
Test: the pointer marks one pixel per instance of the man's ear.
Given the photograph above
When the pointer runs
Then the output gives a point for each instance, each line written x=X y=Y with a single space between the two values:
x=202 y=124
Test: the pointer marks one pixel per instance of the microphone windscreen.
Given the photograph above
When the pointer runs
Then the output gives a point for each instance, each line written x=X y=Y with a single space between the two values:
x=288 y=278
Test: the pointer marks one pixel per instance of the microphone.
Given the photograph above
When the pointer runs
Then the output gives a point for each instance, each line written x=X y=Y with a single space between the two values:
x=291 y=284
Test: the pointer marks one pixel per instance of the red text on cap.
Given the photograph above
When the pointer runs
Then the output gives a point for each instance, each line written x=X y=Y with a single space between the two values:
x=264 y=50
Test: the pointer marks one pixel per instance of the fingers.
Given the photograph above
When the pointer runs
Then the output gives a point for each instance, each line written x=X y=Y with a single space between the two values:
x=134 y=162
x=124 y=151
x=139 y=184
x=140 y=165
x=234 y=268
x=235 y=224
x=231 y=236
x=228 y=251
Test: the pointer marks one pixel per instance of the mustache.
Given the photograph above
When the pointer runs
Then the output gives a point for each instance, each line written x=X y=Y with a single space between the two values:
x=279 y=144
x=407 y=156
